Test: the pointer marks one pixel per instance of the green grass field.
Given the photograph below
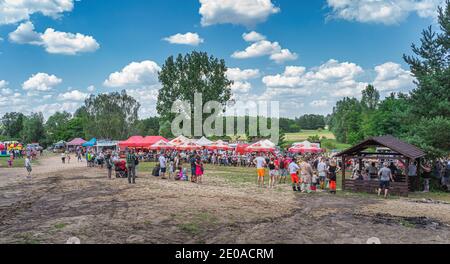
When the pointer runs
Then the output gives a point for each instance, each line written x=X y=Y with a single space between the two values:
x=305 y=134
x=18 y=163
x=327 y=137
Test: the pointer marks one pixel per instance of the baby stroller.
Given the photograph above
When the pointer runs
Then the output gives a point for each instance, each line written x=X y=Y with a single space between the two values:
x=121 y=169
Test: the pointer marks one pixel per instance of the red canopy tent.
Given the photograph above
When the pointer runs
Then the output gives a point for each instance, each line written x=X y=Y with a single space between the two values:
x=242 y=148
x=151 y=140
x=162 y=145
x=219 y=145
x=76 y=142
x=303 y=150
x=262 y=146
x=189 y=146
x=132 y=142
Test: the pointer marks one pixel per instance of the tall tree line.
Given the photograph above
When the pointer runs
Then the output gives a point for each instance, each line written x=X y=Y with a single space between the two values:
x=421 y=117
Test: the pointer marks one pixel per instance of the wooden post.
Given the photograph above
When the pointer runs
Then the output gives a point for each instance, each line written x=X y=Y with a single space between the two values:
x=344 y=161
x=408 y=162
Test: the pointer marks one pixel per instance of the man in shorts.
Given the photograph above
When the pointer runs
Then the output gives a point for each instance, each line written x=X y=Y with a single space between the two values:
x=260 y=163
x=293 y=170
x=322 y=170
x=162 y=166
x=28 y=166
x=385 y=175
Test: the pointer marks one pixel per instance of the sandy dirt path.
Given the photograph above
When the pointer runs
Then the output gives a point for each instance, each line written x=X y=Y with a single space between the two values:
x=72 y=200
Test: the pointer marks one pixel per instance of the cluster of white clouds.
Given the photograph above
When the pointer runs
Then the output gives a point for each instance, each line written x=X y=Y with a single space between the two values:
x=241 y=79
x=41 y=82
x=143 y=73
x=382 y=11
x=238 y=12
x=54 y=42
x=13 y=11
x=192 y=39
x=260 y=47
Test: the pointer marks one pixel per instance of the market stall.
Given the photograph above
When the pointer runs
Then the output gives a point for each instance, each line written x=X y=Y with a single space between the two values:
x=262 y=146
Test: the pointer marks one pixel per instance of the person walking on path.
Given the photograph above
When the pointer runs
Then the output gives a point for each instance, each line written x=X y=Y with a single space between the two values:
x=63 y=157
x=386 y=177
x=426 y=174
x=199 y=170
x=162 y=166
x=322 y=169
x=28 y=166
x=293 y=170
x=109 y=164
x=131 y=166
x=307 y=174
x=332 y=172
x=260 y=163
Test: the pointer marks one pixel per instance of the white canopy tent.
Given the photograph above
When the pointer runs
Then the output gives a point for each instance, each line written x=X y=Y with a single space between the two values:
x=204 y=142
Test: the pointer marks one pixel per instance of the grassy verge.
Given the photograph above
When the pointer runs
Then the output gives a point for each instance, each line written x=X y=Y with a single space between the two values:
x=17 y=163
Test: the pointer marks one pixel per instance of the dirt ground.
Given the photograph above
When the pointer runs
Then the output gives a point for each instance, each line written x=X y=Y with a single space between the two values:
x=62 y=201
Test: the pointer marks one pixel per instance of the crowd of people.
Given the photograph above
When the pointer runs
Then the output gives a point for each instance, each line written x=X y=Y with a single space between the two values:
x=308 y=173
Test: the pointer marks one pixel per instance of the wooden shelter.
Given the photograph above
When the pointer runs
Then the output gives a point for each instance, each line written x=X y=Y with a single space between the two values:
x=394 y=149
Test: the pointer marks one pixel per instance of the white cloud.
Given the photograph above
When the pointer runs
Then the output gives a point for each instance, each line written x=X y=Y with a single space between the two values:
x=13 y=11
x=240 y=78
x=147 y=97
x=136 y=73
x=241 y=87
x=237 y=74
x=382 y=11
x=49 y=109
x=258 y=49
x=189 y=38
x=91 y=88
x=319 y=103
x=74 y=95
x=3 y=84
x=333 y=78
x=253 y=36
x=391 y=77
x=261 y=47
x=47 y=96
x=292 y=77
x=41 y=82
x=4 y=89
x=237 y=12
x=283 y=55
x=54 y=42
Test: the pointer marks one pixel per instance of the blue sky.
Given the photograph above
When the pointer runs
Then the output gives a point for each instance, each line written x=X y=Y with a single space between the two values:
x=305 y=54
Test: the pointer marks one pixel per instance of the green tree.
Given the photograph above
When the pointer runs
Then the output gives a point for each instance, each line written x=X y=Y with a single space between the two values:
x=12 y=124
x=430 y=101
x=110 y=116
x=192 y=73
x=33 y=129
x=370 y=98
x=56 y=126
x=311 y=122
x=346 y=121
x=148 y=126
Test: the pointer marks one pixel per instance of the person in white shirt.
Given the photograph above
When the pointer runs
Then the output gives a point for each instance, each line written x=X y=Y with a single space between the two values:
x=322 y=168
x=260 y=163
x=293 y=170
x=162 y=165
x=28 y=166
